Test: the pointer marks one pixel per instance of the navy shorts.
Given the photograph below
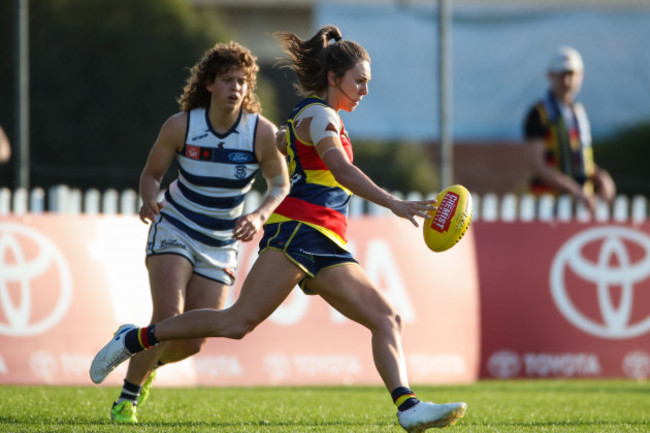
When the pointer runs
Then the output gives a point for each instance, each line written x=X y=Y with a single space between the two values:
x=305 y=246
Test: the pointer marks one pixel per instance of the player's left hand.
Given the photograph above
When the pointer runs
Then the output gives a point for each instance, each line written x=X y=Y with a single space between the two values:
x=246 y=227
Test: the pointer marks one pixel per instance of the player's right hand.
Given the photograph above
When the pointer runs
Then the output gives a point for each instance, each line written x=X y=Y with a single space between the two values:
x=411 y=209
x=150 y=210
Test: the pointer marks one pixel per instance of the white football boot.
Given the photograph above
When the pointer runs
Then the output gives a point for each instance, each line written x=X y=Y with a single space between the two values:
x=425 y=415
x=111 y=355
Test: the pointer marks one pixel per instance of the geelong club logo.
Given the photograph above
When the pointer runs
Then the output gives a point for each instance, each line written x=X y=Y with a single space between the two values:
x=32 y=270
x=605 y=267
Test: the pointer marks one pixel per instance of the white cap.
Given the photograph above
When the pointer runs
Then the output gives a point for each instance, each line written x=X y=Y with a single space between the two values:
x=566 y=59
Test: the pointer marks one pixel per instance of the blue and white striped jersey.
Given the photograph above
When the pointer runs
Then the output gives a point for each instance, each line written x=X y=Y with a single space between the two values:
x=215 y=173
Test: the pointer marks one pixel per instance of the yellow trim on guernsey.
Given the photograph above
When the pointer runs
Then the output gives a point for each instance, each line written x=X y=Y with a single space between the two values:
x=325 y=178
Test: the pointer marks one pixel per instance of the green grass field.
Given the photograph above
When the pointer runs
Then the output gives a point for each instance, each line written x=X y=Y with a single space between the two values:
x=494 y=406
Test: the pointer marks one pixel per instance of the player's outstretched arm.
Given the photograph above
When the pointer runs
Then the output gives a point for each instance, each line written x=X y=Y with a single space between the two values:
x=351 y=177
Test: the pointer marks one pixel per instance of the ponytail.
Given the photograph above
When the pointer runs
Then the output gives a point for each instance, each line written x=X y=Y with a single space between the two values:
x=326 y=51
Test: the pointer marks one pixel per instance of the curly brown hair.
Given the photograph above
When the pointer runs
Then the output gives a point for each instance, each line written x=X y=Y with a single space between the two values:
x=216 y=61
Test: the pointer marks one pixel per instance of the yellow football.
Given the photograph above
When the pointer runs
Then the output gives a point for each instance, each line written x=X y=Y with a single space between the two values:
x=446 y=225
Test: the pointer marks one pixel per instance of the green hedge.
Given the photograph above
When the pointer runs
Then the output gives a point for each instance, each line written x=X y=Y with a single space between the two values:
x=105 y=74
x=625 y=155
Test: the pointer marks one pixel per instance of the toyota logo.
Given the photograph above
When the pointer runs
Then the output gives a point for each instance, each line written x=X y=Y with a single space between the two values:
x=504 y=364
x=278 y=367
x=636 y=365
x=607 y=259
x=31 y=268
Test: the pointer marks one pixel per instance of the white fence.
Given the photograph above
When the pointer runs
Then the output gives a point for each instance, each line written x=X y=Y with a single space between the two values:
x=487 y=207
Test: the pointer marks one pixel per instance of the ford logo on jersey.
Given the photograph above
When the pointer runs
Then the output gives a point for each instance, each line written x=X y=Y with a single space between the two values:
x=240 y=157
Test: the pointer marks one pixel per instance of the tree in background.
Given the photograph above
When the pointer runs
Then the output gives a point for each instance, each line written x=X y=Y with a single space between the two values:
x=397 y=166
x=625 y=155
x=104 y=75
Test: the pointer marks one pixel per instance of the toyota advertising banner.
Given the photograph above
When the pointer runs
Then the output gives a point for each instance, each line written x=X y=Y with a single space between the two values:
x=569 y=300
x=67 y=282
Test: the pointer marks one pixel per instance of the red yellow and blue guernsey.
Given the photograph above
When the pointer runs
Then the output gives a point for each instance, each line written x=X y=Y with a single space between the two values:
x=316 y=198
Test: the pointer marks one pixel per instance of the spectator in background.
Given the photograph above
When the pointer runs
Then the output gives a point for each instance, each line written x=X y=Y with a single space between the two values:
x=220 y=142
x=5 y=146
x=558 y=138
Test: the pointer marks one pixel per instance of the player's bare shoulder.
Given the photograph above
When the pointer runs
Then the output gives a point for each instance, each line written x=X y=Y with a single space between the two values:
x=265 y=136
x=266 y=127
x=173 y=130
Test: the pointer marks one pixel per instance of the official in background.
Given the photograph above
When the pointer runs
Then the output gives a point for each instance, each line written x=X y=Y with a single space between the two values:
x=558 y=138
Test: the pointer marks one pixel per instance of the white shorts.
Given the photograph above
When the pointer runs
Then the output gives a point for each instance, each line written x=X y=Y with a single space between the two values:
x=214 y=263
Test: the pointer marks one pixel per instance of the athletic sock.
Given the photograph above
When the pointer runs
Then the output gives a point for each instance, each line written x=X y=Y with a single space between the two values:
x=404 y=398
x=136 y=340
x=130 y=391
